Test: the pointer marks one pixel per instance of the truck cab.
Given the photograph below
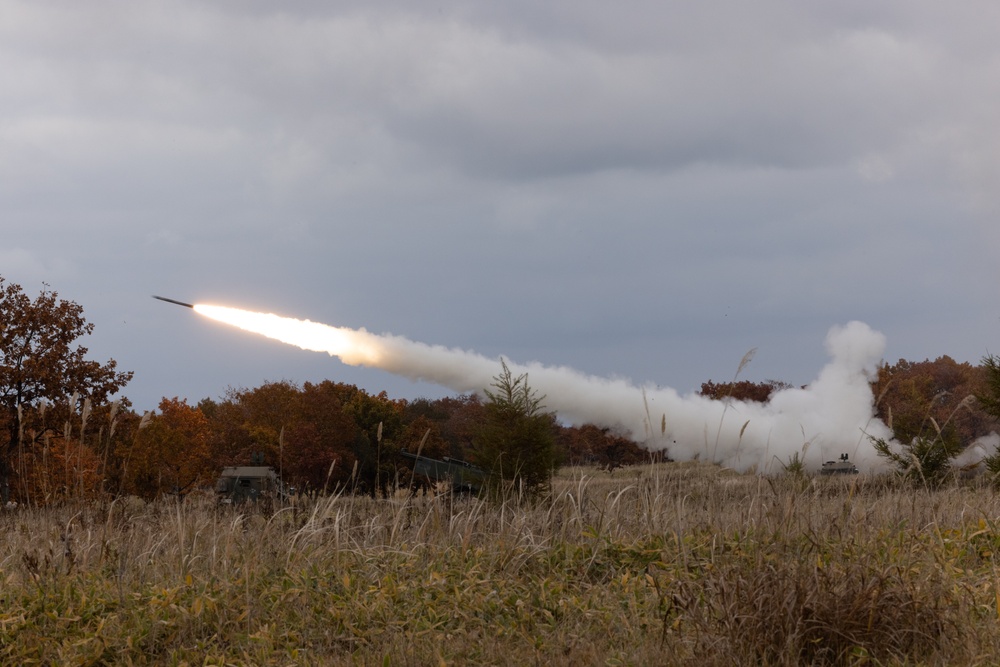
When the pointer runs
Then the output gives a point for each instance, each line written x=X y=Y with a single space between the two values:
x=241 y=484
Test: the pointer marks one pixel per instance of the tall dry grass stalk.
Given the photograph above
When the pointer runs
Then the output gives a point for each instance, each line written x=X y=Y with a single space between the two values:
x=744 y=362
x=663 y=564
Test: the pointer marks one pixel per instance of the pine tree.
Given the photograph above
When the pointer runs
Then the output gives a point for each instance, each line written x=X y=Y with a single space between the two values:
x=990 y=399
x=516 y=441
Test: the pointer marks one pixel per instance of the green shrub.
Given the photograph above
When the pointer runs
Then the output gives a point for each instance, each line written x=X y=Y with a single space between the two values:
x=924 y=461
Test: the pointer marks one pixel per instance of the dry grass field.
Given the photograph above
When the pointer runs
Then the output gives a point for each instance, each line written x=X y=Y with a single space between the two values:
x=666 y=564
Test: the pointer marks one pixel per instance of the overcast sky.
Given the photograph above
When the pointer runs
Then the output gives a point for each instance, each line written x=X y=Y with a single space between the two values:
x=643 y=190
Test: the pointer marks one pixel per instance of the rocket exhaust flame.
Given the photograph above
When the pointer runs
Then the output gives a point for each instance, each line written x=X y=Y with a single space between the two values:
x=833 y=415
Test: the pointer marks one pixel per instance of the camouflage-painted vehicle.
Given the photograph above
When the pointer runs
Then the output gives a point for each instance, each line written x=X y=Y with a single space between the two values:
x=241 y=484
x=462 y=475
x=843 y=466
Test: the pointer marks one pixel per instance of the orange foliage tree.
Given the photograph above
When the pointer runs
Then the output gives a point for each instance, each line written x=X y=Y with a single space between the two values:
x=252 y=422
x=742 y=390
x=319 y=436
x=379 y=424
x=56 y=469
x=464 y=414
x=594 y=445
x=916 y=399
x=90 y=439
x=319 y=449
x=40 y=362
x=420 y=433
x=170 y=453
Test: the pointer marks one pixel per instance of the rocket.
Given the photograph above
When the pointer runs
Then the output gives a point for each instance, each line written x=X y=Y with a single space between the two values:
x=179 y=303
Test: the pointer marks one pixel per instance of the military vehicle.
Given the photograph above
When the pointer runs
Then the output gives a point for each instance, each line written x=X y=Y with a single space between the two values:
x=241 y=484
x=462 y=475
x=843 y=466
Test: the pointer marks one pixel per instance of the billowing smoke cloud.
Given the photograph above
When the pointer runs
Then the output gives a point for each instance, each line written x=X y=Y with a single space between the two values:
x=831 y=416
x=971 y=461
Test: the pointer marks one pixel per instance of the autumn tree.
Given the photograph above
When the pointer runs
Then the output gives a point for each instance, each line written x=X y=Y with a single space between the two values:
x=516 y=441
x=932 y=410
x=919 y=398
x=423 y=420
x=319 y=450
x=420 y=436
x=261 y=415
x=742 y=390
x=464 y=414
x=62 y=462
x=594 y=445
x=112 y=428
x=320 y=436
x=424 y=435
x=170 y=454
x=380 y=423
x=40 y=362
x=443 y=428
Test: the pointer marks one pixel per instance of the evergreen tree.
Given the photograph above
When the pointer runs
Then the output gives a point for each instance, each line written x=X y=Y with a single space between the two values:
x=990 y=399
x=516 y=440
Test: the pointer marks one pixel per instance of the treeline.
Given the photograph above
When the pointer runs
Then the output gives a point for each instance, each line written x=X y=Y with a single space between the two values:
x=940 y=399
x=66 y=439
x=333 y=435
x=322 y=437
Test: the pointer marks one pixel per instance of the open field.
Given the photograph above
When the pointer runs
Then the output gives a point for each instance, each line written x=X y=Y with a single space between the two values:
x=648 y=565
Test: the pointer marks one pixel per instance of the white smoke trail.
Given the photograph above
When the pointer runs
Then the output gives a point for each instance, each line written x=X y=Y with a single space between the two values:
x=833 y=415
x=972 y=460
